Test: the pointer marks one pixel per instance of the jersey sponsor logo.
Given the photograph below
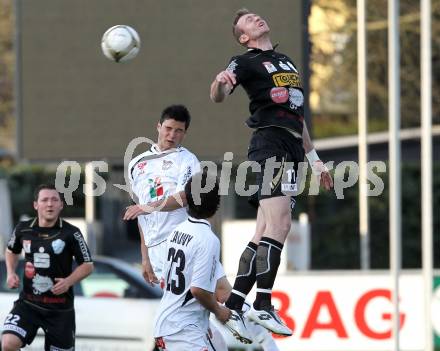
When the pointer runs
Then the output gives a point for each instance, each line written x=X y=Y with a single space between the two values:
x=187 y=175
x=29 y=270
x=27 y=246
x=287 y=79
x=279 y=95
x=296 y=98
x=82 y=246
x=41 y=259
x=284 y=66
x=141 y=165
x=11 y=242
x=292 y=66
x=15 y=329
x=232 y=66
x=166 y=165
x=58 y=246
x=269 y=67
x=213 y=268
x=41 y=284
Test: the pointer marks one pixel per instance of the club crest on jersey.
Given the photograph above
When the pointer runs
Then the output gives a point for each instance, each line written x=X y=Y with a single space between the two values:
x=156 y=188
x=58 y=246
x=269 y=67
x=166 y=165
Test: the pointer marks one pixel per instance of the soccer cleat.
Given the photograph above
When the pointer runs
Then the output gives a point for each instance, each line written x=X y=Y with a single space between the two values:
x=270 y=320
x=235 y=324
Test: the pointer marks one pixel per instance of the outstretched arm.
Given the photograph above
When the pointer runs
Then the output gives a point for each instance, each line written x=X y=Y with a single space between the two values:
x=167 y=204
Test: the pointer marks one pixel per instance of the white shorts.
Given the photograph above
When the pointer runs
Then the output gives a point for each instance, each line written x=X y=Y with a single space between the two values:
x=217 y=342
x=190 y=338
x=157 y=255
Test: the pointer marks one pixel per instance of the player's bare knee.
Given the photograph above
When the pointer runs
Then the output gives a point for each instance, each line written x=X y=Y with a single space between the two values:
x=278 y=230
x=11 y=342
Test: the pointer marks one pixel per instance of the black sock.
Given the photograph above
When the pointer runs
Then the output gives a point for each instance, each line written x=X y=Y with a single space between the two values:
x=267 y=262
x=245 y=279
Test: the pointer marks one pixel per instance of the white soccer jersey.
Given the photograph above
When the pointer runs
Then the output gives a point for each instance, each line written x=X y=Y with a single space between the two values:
x=155 y=175
x=193 y=253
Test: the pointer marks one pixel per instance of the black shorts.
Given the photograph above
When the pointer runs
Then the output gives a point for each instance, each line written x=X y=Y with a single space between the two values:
x=58 y=325
x=279 y=153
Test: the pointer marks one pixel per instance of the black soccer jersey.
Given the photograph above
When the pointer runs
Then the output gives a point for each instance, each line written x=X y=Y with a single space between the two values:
x=273 y=85
x=49 y=254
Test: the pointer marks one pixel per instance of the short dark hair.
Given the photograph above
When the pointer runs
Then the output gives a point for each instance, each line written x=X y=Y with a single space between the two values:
x=177 y=112
x=235 y=30
x=209 y=201
x=43 y=187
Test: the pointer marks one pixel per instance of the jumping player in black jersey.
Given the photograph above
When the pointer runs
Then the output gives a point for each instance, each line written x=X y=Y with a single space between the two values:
x=46 y=298
x=279 y=142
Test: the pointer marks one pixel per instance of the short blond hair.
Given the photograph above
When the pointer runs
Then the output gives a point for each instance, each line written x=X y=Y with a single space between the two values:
x=235 y=30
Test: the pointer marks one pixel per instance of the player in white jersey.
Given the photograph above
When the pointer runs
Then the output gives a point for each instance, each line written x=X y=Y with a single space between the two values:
x=157 y=178
x=193 y=253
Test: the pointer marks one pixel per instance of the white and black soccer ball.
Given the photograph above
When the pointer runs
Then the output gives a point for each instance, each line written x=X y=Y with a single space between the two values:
x=120 y=43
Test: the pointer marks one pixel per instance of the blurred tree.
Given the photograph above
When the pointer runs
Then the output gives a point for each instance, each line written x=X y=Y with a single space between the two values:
x=334 y=65
x=7 y=122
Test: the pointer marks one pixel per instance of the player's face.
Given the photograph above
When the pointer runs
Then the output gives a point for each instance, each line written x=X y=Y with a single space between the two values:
x=252 y=27
x=170 y=134
x=48 y=205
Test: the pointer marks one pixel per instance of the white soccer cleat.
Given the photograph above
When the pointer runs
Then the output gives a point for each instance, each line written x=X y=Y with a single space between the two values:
x=269 y=320
x=235 y=324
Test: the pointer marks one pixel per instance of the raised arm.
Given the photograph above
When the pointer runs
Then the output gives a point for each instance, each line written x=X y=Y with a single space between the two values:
x=222 y=85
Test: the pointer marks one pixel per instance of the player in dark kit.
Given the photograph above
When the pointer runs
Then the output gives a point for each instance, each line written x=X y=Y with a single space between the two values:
x=46 y=299
x=278 y=144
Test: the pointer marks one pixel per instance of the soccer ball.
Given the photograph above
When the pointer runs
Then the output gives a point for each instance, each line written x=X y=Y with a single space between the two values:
x=120 y=43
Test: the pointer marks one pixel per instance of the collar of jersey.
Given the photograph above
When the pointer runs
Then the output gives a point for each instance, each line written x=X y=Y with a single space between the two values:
x=58 y=224
x=155 y=150
x=260 y=50
x=199 y=220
